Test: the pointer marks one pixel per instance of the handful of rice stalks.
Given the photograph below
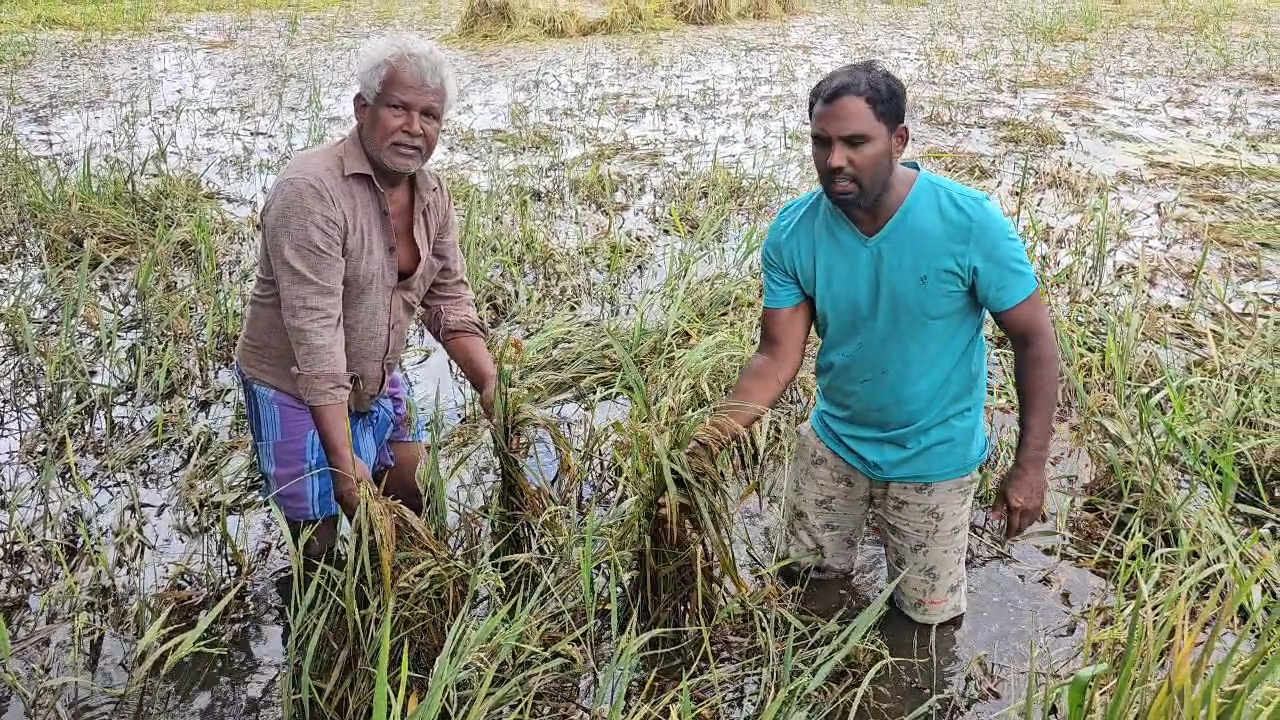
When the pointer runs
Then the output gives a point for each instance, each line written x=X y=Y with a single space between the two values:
x=686 y=568
x=526 y=515
x=398 y=592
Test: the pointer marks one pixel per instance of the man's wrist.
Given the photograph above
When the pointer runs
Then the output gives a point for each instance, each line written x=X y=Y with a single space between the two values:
x=1030 y=462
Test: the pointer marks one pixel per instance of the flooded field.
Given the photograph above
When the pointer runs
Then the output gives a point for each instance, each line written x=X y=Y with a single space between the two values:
x=613 y=192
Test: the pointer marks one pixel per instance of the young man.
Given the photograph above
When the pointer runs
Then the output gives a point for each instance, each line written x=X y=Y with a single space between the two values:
x=357 y=237
x=896 y=267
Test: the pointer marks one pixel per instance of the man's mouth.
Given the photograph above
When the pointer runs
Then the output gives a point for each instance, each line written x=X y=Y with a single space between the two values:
x=844 y=184
x=407 y=148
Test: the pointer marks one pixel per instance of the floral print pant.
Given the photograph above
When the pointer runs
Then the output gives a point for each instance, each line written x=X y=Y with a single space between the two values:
x=925 y=528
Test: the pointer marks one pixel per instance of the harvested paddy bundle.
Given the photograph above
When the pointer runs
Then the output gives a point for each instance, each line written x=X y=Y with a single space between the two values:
x=769 y=9
x=480 y=17
x=711 y=12
x=380 y=619
x=493 y=19
x=706 y=12
x=526 y=516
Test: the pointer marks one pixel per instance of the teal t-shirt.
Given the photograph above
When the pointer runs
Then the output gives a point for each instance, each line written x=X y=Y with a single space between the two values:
x=902 y=368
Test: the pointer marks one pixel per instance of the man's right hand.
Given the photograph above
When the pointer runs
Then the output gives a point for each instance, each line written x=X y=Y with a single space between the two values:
x=715 y=435
x=346 y=485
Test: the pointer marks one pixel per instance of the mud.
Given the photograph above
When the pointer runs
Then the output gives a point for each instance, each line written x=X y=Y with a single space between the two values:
x=1074 y=123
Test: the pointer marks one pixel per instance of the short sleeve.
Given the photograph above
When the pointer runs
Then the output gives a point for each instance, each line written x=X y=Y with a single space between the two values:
x=781 y=286
x=1001 y=273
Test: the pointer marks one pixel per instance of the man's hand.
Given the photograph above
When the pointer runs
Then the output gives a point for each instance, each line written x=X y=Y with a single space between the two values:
x=1035 y=374
x=346 y=485
x=473 y=358
x=1021 y=498
x=486 y=398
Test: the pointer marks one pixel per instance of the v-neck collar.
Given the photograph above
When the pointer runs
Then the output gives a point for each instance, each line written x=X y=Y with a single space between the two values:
x=893 y=219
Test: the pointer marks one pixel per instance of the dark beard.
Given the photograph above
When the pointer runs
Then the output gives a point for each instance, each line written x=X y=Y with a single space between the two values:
x=863 y=200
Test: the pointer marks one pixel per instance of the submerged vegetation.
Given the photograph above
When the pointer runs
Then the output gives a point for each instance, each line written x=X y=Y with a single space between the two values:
x=572 y=561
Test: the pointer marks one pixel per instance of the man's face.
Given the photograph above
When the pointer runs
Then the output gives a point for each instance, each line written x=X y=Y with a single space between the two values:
x=853 y=152
x=399 y=130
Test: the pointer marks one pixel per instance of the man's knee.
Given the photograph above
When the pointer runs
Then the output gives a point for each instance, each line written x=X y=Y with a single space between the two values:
x=316 y=538
x=401 y=480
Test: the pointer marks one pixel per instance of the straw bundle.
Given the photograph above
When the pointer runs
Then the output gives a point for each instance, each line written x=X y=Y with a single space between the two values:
x=395 y=597
x=525 y=520
x=495 y=19
x=686 y=567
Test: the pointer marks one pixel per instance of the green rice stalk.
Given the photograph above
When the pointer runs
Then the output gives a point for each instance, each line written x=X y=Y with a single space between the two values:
x=526 y=521
x=399 y=586
x=686 y=569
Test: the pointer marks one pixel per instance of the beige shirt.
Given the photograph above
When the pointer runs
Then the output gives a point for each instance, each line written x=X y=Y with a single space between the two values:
x=328 y=315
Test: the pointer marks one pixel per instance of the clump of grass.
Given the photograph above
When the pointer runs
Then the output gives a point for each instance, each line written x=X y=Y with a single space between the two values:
x=1035 y=133
x=713 y=12
x=1064 y=22
x=526 y=516
x=1259 y=234
x=771 y=9
x=685 y=565
x=380 y=618
x=508 y=19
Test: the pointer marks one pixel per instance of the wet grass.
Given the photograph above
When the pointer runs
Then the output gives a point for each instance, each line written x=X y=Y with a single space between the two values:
x=133 y=539
x=113 y=15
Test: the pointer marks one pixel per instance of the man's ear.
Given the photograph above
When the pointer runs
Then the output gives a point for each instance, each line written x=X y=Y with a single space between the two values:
x=901 y=137
x=360 y=106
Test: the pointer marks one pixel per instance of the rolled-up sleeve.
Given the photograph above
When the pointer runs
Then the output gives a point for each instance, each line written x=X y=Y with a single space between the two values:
x=302 y=233
x=449 y=304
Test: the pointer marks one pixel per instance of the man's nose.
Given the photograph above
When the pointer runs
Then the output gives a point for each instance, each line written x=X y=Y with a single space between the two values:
x=413 y=125
x=840 y=158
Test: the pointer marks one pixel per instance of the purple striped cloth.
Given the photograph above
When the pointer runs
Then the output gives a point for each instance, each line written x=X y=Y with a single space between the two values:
x=287 y=446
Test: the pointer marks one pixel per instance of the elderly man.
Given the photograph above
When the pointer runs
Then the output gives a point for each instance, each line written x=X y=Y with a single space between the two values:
x=896 y=267
x=357 y=237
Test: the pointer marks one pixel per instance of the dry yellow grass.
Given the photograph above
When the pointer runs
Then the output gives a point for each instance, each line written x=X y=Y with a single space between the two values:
x=506 y=19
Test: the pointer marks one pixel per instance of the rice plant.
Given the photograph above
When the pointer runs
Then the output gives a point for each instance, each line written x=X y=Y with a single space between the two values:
x=395 y=592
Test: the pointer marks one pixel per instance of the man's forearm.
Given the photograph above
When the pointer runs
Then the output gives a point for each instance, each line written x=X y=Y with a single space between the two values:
x=763 y=381
x=332 y=425
x=472 y=356
x=1035 y=370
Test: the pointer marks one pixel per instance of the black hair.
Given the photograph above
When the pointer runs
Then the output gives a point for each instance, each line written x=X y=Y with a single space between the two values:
x=869 y=80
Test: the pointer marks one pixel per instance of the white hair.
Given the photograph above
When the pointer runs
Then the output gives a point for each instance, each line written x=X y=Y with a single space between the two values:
x=421 y=59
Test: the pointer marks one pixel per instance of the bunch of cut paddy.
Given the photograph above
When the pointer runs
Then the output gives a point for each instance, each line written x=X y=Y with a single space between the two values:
x=527 y=520
x=710 y=12
x=380 y=617
x=501 y=19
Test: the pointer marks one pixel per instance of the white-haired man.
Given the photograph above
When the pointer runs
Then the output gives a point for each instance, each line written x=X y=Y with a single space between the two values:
x=357 y=237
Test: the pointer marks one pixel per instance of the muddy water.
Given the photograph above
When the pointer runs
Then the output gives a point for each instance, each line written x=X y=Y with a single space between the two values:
x=233 y=99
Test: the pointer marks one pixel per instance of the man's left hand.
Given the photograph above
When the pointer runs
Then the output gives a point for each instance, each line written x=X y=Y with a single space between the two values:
x=486 y=399
x=1021 y=499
